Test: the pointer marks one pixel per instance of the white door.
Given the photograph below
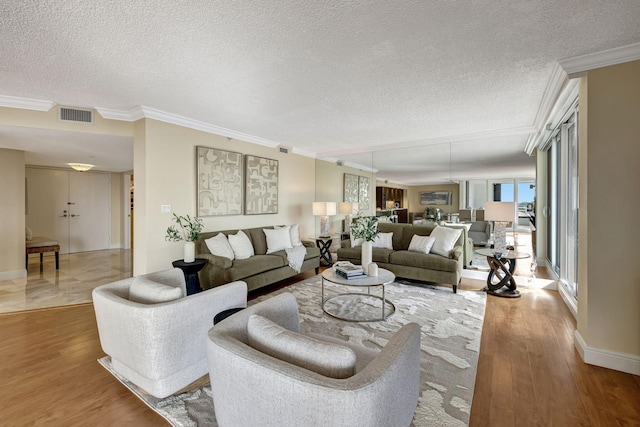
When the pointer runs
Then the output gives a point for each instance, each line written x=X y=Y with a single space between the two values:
x=47 y=209
x=89 y=215
x=70 y=207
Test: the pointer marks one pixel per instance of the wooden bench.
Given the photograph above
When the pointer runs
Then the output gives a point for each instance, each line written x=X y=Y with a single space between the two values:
x=40 y=245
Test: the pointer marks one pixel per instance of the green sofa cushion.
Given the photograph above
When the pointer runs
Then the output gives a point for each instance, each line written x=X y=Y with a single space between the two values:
x=243 y=268
x=427 y=261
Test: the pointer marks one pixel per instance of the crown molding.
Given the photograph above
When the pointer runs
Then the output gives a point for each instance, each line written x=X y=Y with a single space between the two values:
x=558 y=81
x=618 y=55
x=25 y=103
x=303 y=152
x=524 y=130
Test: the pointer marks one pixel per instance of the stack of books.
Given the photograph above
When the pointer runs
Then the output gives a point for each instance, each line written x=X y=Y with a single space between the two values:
x=350 y=271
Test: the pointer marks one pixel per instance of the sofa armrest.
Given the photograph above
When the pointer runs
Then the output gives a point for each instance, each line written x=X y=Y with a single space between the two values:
x=346 y=243
x=217 y=261
x=456 y=253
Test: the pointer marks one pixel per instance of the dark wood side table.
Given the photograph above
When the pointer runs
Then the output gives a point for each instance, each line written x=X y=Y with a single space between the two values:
x=500 y=281
x=190 y=270
x=324 y=244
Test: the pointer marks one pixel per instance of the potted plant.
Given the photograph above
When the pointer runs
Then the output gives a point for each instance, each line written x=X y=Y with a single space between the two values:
x=189 y=231
x=366 y=228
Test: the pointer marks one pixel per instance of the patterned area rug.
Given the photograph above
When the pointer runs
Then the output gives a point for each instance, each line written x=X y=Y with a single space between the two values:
x=451 y=327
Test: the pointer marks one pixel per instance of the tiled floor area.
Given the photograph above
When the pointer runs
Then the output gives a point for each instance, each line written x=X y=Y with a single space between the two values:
x=79 y=273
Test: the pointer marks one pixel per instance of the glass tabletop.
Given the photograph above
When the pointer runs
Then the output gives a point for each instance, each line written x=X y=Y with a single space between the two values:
x=507 y=255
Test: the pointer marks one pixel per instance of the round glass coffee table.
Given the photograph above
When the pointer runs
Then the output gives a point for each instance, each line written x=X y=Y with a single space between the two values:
x=500 y=281
x=358 y=307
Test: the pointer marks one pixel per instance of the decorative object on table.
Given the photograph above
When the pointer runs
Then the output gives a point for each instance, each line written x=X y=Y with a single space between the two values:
x=448 y=363
x=365 y=228
x=190 y=229
x=501 y=213
x=324 y=210
x=372 y=270
x=349 y=271
x=348 y=209
x=261 y=190
x=435 y=198
x=220 y=179
x=432 y=214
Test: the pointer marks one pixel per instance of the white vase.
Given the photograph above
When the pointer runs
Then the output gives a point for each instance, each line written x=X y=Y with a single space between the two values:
x=366 y=255
x=189 y=252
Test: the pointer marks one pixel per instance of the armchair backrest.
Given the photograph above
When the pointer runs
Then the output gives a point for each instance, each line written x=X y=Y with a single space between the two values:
x=272 y=392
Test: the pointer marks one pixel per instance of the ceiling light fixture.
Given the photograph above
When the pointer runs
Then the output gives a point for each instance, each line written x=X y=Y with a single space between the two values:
x=80 y=167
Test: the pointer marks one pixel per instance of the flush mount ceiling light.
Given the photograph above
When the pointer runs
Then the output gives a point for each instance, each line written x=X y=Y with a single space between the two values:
x=80 y=167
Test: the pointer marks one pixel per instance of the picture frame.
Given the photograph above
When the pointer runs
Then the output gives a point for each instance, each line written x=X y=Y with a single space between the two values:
x=261 y=185
x=219 y=182
x=435 y=197
x=364 y=198
x=351 y=188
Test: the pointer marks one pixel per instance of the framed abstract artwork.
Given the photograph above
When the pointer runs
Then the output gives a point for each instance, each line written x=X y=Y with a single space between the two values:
x=220 y=178
x=350 y=188
x=435 y=198
x=364 y=198
x=261 y=186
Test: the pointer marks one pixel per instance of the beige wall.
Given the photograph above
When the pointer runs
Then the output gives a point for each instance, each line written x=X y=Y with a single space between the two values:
x=609 y=271
x=165 y=174
x=12 y=214
x=414 y=197
x=117 y=215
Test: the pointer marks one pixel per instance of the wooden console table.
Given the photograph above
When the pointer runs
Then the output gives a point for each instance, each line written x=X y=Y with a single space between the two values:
x=40 y=245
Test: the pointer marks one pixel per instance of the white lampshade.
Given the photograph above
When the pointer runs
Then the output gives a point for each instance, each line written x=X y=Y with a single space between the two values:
x=500 y=211
x=348 y=208
x=324 y=208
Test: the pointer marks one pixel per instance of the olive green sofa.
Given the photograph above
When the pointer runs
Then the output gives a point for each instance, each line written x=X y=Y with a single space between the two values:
x=411 y=265
x=257 y=271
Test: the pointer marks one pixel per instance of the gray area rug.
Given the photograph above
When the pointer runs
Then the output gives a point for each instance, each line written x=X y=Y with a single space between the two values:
x=451 y=327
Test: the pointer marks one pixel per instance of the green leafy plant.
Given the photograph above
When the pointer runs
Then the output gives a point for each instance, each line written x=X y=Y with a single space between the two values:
x=364 y=227
x=190 y=229
x=432 y=214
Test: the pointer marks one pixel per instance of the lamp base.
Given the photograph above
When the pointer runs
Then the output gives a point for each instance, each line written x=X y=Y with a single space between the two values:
x=324 y=226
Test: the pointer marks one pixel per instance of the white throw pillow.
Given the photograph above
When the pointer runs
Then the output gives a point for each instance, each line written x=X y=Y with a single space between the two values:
x=28 y=233
x=294 y=233
x=383 y=240
x=278 y=239
x=325 y=358
x=422 y=244
x=445 y=240
x=241 y=245
x=219 y=245
x=355 y=242
x=146 y=291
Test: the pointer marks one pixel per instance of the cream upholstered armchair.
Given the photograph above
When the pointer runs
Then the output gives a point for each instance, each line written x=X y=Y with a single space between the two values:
x=250 y=387
x=160 y=347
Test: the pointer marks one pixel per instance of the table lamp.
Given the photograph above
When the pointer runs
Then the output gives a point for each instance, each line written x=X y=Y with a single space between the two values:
x=347 y=208
x=324 y=210
x=500 y=213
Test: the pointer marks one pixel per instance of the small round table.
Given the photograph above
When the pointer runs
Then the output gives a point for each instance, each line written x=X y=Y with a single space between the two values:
x=501 y=274
x=190 y=270
x=383 y=278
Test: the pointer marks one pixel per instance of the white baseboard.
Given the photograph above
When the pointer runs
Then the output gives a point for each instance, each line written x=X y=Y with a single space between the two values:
x=118 y=246
x=622 y=362
x=12 y=275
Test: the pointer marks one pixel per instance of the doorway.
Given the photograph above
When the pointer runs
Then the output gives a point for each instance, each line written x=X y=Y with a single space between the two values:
x=71 y=207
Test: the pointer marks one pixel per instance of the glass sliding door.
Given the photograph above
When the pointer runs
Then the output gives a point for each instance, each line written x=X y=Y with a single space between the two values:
x=569 y=272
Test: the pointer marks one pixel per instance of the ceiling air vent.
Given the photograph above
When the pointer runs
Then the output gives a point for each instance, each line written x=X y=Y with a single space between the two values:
x=284 y=150
x=75 y=115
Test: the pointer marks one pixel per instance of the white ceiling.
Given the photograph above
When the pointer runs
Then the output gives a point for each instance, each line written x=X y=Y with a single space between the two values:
x=332 y=78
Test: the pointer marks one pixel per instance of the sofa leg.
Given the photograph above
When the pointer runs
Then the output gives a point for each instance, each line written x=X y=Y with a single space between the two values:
x=317 y=270
x=455 y=289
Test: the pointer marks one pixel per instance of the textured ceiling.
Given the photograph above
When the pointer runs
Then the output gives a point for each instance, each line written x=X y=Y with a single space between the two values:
x=329 y=77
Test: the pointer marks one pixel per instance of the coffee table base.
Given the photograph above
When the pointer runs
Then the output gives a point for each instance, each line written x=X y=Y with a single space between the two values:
x=387 y=308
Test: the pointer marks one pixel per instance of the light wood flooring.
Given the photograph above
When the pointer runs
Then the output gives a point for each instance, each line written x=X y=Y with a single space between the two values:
x=529 y=372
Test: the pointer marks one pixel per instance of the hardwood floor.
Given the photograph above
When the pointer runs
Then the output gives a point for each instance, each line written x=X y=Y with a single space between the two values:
x=528 y=371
